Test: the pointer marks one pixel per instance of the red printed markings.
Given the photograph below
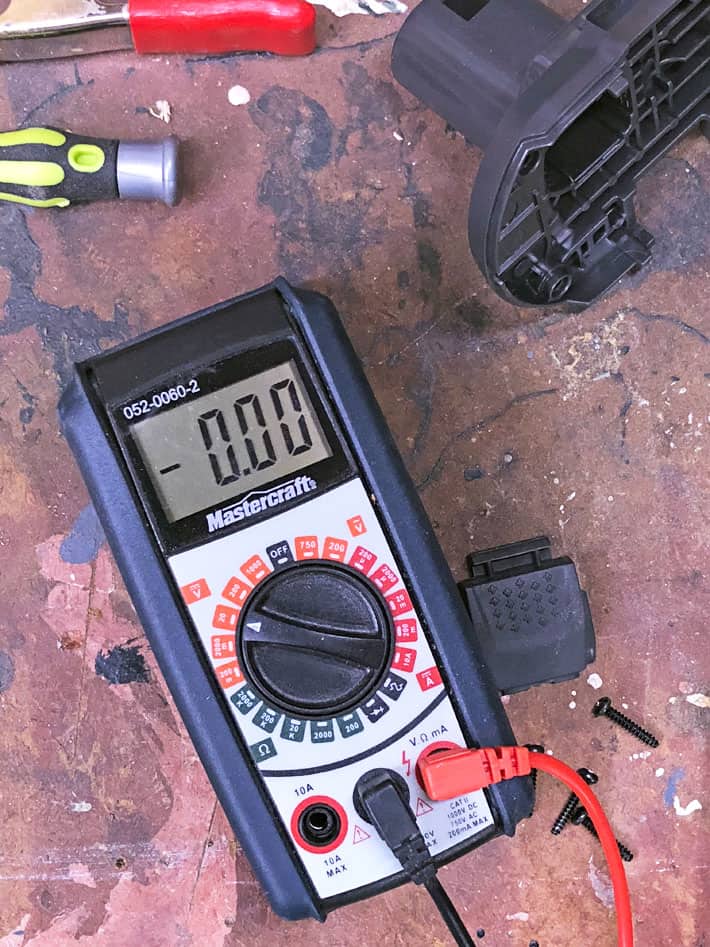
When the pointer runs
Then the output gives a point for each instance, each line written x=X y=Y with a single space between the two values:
x=223 y=646
x=429 y=678
x=360 y=835
x=195 y=591
x=229 y=675
x=335 y=549
x=225 y=617
x=255 y=569
x=385 y=578
x=406 y=629
x=363 y=560
x=356 y=525
x=399 y=602
x=306 y=547
x=404 y=659
x=236 y=591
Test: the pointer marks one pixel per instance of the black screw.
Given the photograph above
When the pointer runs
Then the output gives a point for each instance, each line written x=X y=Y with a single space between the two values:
x=569 y=807
x=603 y=708
x=580 y=817
x=534 y=748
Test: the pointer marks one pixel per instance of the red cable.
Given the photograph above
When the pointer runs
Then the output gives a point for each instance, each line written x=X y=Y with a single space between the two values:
x=453 y=773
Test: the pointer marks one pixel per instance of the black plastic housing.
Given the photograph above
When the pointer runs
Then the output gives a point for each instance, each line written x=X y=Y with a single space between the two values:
x=255 y=319
x=531 y=616
x=569 y=116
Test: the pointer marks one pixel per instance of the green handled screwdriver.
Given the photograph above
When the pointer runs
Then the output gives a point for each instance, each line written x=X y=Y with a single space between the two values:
x=46 y=167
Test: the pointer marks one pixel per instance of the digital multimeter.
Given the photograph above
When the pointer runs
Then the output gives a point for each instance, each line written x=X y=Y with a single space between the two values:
x=290 y=584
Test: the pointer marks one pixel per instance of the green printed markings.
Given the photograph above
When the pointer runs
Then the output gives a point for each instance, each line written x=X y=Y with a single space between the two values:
x=293 y=729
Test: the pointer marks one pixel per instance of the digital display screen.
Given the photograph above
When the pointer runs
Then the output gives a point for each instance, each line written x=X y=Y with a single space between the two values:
x=230 y=441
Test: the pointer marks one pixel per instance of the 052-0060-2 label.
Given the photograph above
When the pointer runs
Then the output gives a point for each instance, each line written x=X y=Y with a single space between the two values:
x=160 y=399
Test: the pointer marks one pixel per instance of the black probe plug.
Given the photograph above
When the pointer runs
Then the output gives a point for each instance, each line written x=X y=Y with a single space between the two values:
x=381 y=797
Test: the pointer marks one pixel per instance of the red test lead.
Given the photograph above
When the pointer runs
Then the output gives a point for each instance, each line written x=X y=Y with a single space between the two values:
x=453 y=773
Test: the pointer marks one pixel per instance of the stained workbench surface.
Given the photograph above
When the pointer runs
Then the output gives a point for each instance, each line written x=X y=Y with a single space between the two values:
x=592 y=428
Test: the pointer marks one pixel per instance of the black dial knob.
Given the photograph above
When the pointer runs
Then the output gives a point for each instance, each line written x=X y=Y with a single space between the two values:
x=315 y=639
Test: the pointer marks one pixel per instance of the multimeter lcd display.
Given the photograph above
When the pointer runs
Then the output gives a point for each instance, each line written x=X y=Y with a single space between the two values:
x=230 y=441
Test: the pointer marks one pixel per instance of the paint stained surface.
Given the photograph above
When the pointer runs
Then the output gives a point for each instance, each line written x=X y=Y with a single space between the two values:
x=591 y=428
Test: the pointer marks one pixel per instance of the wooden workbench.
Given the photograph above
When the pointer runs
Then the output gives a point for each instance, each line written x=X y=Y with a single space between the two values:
x=592 y=428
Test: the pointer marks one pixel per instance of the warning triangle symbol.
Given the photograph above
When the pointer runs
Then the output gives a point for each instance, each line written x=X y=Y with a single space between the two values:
x=360 y=835
x=422 y=807
x=254 y=625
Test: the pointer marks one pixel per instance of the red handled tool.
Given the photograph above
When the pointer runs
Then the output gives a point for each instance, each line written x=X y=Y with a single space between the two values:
x=77 y=27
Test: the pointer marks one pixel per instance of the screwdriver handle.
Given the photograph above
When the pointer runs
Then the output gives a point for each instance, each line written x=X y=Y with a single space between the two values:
x=46 y=167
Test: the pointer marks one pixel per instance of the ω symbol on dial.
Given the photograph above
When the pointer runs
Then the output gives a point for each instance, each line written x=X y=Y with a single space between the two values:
x=315 y=639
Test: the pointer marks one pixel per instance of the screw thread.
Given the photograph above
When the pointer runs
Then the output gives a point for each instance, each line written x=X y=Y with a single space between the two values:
x=534 y=748
x=633 y=728
x=625 y=853
x=565 y=814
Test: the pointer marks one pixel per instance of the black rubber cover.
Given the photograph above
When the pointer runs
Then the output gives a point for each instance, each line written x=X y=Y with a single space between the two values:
x=530 y=614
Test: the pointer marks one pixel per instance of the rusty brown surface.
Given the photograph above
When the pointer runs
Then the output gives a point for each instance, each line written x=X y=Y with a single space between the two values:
x=592 y=428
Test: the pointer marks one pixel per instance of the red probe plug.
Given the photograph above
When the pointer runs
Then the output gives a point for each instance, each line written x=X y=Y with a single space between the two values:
x=453 y=773
x=286 y=27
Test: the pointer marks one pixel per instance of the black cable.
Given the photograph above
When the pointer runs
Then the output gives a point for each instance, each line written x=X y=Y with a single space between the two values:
x=381 y=797
x=449 y=913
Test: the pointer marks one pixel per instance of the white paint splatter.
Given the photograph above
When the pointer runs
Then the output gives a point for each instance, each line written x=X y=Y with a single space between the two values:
x=572 y=495
x=574 y=693
x=518 y=916
x=238 y=95
x=660 y=771
x=572 y=704
x=699 y=700
x=692 y=807
x=398 y=136
x=81 y=875
x=81 y=807
x=162 y=110
x=367 y=7
x=603 y=889
x=595 y=681
x=12 y=939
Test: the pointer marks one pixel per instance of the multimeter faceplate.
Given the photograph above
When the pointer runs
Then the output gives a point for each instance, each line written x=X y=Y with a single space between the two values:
x=290 y=585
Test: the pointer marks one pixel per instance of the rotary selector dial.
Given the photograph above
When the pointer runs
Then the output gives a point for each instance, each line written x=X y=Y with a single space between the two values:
x=315 y=639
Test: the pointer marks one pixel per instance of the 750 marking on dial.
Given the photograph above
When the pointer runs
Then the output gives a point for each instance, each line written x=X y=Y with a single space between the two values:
x=160 y=399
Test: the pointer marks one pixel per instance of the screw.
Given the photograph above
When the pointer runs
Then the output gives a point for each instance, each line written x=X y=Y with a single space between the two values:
x=580 y=817
x=569 y=807
x=603 y=708
x=534 y=748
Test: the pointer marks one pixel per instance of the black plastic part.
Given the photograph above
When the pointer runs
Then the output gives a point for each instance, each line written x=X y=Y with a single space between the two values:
x=197 y=695
x=569 y=115
x=382 y=797
x=530 y=614
x=315 y=639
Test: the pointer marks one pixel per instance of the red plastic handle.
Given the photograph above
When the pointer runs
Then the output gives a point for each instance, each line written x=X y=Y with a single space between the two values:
x=286 y=27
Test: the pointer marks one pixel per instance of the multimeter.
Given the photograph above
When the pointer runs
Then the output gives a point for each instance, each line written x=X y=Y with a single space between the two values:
x=291 y=587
